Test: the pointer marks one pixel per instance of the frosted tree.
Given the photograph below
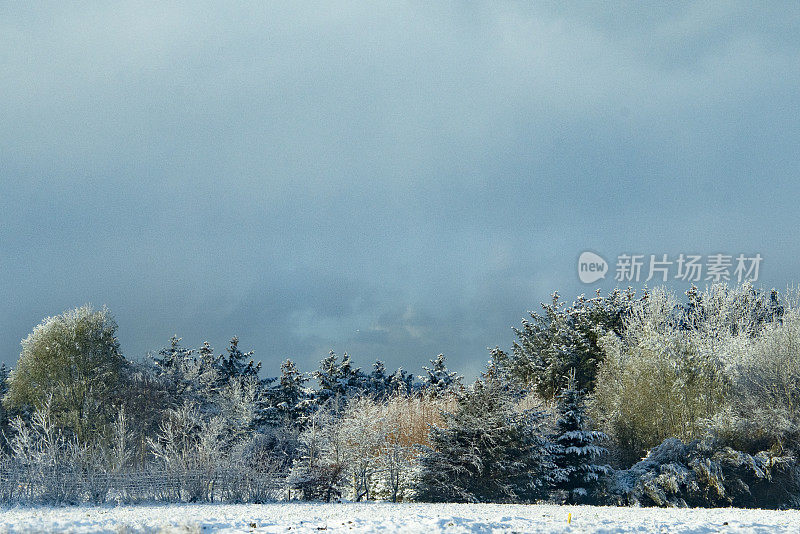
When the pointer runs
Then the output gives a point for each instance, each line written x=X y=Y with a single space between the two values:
x=377 y=382
x=361 y=430
x=73 y=361
x=337 y=378
x=763 y=406
x=563 y=337
x=169 y=359
x=120 y=452
x=319 y=469
x=690 y=370
x=239 y=409
x=438 y=380
x=484 y=451
x=235 y=364
x=576 y=449
x=401 y=382
x=4 y=416
x=292 y=401
x=201 y=379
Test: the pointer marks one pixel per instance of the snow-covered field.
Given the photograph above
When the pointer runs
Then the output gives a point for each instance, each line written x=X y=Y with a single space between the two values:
x=385 y=517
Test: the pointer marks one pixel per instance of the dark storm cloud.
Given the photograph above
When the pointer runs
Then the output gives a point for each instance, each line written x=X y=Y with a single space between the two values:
x=390 y=180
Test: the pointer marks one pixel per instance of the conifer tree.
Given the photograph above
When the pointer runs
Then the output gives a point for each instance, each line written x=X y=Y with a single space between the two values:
x=337 y=379
x=292 y=401
x=563 y=337
x=237 y=364
x=401 y=383
x=576 y=449
x=377 y=382
x=485 y=451
x=438 y=379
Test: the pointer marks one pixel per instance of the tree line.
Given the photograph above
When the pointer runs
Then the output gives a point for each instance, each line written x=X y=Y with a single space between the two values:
x=622 y=398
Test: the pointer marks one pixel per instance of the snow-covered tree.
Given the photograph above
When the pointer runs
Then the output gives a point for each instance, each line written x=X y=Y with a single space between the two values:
x=4 y=416
x=576 y=449
x=73 y=361
x=762 y=409
x=235 y=364
x=563 y=337
x=687 y=370
x=337 y=378
x=170 y=358
x=319 y=468
x=377 y=382
x=438 y=380
x=362 y=430
x=401 y=382
x=485 y=452
x=292 y=401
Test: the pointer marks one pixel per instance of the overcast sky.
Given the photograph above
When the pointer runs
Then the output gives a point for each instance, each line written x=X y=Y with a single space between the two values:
x=392 y=180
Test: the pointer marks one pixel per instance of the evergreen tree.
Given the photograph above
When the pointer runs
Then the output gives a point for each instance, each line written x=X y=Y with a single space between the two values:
x=566 y=337
x=206 y=359
x=171 y=358
x=170 y=369
x=292 y=401
x=438 y=379
x=201 y=378
x=576 y=449
x=401 y=383
x=485 y=451
x=237 y=364
x=377 y=382
x=337 y=379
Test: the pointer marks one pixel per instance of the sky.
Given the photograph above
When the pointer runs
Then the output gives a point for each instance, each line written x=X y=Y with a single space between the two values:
x=391 y=180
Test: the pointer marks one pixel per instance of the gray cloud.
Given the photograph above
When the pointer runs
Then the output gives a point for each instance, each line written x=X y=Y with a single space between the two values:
x=390 y=180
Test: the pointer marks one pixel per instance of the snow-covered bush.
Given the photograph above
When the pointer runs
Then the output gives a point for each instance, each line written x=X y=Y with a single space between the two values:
x=763 y=410
x=319 y=467
x=676 y=368
x=703 y=474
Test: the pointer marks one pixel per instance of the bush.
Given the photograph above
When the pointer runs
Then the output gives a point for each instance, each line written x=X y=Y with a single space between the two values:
x=704 y=474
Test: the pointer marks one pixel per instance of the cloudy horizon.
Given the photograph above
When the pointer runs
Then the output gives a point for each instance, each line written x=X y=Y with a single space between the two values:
x=389 y=180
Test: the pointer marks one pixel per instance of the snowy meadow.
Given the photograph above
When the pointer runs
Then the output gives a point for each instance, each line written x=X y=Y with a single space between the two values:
x=388 y=517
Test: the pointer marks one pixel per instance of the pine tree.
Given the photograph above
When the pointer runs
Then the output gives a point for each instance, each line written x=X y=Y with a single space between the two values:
x=170 y=358
x=327 y=378
x=170 y=369
x=292 y=401
x=201 y=378
x=377 y=382
x=237 y=364
x=206 y=359
x=438 y=379
x=576 y=449
x=401 y=383
x=337 y=379
x=485 y=451
x=563 y=337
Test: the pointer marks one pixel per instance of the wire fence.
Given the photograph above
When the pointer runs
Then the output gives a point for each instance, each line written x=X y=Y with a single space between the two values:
x=60 y=485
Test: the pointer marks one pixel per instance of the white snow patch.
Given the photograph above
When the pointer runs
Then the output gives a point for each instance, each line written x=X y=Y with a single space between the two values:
x=387 y=517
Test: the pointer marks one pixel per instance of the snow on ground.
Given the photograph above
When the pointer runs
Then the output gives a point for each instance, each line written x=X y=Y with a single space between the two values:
x=386 y=517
